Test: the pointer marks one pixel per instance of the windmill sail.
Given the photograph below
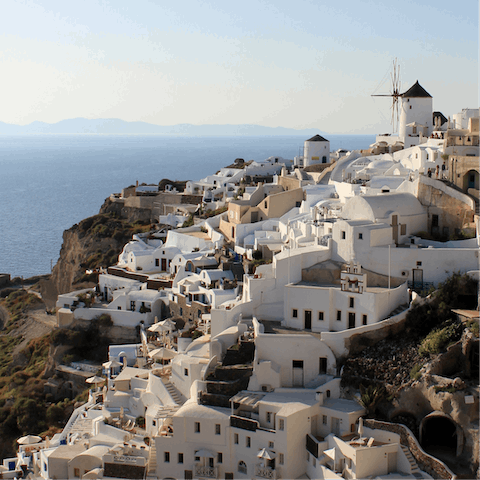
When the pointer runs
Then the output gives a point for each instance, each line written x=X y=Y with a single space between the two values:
x=394 y=94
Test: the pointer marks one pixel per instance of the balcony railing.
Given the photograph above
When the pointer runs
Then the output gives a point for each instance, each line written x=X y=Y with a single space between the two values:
x=204 y=471
x=243 y=423
x=266 y=472
x=312 y=445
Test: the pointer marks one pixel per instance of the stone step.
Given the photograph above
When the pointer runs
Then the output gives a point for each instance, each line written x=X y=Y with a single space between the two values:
x=152 y=460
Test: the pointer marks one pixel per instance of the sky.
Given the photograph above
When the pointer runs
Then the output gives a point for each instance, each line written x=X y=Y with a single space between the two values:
x=302 y=64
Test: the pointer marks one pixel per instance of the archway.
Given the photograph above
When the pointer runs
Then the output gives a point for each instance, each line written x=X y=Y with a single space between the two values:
x=440 y=435
x=471 y=180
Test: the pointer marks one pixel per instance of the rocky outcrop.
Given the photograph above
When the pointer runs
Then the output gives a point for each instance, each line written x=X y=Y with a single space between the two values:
x=93 y=243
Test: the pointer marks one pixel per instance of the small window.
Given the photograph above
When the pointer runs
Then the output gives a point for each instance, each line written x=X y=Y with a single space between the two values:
x=269 y=417
x=320 y=316
x=157 y=262
x=197 y=427
x=295 y=313
x=434 y=220
x=281 y=424
x=180 y=458
x=298 y=204
x=265 y=204
x=328 y=393
x=76 y=472
x=364 y=319
x=419 y=264
x=324 y=419
x=166 y=457
x=351 y=302
x=281 y=458
x=271 y=445
x=343 y=235
x=360 y=236
x=248 y=442
x=339 y=315
x=242 y=467
x=217 y=429
x=219 y=457
x=154 y=422
x=235 y=438
x=185 y=372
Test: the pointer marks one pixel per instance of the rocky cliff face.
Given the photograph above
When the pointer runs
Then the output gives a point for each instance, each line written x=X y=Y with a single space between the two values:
x=94 y=242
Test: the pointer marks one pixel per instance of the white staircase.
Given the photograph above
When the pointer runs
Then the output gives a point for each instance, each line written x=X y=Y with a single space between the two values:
x=174 y=393
x=152 y=460
x=414 y=470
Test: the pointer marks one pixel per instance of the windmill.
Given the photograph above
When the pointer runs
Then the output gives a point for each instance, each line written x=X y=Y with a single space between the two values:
x=394 y=94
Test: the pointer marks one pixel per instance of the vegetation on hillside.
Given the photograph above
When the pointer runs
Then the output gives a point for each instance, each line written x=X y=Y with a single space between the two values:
x=430 y=328
x=25 y=408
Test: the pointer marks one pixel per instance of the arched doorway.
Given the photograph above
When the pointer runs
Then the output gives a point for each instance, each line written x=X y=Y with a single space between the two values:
x=471 y=180
x=440 y=435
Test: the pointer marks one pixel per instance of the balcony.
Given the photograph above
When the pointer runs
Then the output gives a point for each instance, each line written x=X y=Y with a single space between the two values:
x=313 y=445
x=262 y=471
x=204 y=471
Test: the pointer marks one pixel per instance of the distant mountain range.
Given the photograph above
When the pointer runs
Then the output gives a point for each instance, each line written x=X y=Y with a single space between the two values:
x=115 y=126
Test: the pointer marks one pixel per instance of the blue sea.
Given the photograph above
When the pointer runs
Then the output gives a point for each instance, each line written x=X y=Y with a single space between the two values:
x=50 y=182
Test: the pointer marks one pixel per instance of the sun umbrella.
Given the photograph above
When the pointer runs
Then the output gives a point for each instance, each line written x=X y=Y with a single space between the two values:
x=162 y=354
x=112 y=364
x=29 y=440
x=95 y=380
x=330 y=453
x=203 y=452
x=360 y=427
x=168 y=323
x=158 y=327
x=266 y=454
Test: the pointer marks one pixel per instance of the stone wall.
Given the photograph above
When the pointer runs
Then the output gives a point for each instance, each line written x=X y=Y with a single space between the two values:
x=452 y=212
x=427 y=463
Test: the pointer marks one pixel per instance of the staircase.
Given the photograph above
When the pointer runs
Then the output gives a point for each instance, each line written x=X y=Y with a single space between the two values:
x=152 y=460
x=174 y=393
x=414 y=470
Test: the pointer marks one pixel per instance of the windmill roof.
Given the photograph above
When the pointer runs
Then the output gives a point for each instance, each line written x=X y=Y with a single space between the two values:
x=416 y=91
x=317 y=138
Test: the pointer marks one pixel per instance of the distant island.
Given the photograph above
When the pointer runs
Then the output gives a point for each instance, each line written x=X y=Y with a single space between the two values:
x=117 y=126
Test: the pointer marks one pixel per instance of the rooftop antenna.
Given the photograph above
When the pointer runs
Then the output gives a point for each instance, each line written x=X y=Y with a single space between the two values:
x=394 y=94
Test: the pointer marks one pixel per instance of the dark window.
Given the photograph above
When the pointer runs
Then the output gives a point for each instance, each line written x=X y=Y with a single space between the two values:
x=360 y=236
x=166 y=457
x=339 y=315
x=157 y=262
x=294 y=313
x=434 y=220
x=364 y=319
x=297 y=363
x=197 y=427
x=320 y=316
x=217 y=429
x=322 y=365
x=328 y=393
x=343 y=235
x=180 y=458
x=351 y=302
x=297 y=204
x=248 y=442
x=219 y=457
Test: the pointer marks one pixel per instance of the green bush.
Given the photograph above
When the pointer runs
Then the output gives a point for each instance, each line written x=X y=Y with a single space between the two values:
x=437 y=340
x=415 y=372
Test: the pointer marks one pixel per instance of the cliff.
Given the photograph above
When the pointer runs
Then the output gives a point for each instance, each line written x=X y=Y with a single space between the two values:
x=93 y=243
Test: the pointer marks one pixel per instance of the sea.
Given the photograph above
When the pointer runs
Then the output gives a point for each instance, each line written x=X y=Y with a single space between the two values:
x=50 y=182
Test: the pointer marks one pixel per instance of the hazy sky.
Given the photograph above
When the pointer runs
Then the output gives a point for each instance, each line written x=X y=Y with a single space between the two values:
x=302 y=64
